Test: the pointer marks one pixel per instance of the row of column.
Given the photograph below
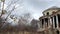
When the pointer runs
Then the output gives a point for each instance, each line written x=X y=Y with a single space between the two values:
x=51 y=21
x=56 y=22
x=44 y=23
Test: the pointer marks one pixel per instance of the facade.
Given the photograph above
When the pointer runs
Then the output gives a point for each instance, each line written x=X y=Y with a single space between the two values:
x=50 y=21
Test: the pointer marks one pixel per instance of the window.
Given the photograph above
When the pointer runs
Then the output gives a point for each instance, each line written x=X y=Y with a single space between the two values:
x=47 y=13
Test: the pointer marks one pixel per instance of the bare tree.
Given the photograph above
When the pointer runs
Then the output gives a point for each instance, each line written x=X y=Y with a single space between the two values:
x=24 y=21
x=26 y=17
x=4 y=22
x=34 y=24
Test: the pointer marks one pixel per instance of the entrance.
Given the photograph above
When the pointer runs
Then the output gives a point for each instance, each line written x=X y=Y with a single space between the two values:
x=59 y=20
x=46 y=21
x=55 y=21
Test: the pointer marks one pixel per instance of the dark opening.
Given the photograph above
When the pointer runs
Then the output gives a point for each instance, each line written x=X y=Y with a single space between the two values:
x=59 y=19
x=42 y=22
x=47 y=13
x=57 y=31
x=55 y=21
x=46 y=21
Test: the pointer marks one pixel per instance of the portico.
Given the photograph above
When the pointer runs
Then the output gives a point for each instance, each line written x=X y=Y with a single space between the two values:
x=51 y=19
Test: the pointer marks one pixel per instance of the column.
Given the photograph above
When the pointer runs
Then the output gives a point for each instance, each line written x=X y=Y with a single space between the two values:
x=40 y=23
x=44 y=23
x=57 y=20
x=53 y=23
x=45 y=32
x=50 y=21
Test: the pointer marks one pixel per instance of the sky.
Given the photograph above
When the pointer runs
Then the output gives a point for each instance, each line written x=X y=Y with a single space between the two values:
x=34 y=7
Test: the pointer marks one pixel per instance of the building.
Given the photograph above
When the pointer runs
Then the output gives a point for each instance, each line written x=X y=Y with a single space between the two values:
x=50 y=21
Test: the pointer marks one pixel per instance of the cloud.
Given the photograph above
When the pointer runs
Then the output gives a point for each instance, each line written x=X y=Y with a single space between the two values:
x=35 y=7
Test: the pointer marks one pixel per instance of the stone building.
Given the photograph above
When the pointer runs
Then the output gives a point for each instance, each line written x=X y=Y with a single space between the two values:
x=50 y=21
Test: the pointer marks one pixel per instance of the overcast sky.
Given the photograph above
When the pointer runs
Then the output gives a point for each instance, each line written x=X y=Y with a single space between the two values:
x=34 y=7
